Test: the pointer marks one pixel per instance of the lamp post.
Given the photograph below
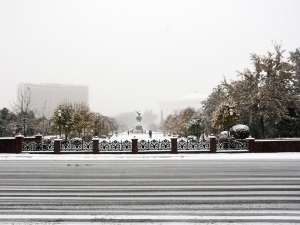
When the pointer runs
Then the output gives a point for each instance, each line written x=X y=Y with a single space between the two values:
x=92 y=133
x=59 y=118
x=24 y=125
x=66 y=138
x=230 y=114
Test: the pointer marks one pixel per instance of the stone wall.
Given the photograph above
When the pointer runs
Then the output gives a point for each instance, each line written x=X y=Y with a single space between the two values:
x=7 y=145
x=15 y=144
x=276 y=145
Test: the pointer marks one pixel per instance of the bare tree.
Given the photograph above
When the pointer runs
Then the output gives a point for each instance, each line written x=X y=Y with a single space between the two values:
x=42 y=119
x=22 y=107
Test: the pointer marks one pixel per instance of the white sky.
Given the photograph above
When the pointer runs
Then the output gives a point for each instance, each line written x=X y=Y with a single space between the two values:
x=134 y=54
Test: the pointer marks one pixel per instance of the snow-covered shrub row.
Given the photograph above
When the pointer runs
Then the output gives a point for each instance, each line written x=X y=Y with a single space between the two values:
x=240 y=131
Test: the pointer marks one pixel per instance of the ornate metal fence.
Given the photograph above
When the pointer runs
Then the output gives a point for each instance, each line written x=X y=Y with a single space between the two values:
x=142 y=145
x=77 y=145
x=193 y=145
x=115 y=145
x=232 y=144
x=154 y=145
x=33 y=146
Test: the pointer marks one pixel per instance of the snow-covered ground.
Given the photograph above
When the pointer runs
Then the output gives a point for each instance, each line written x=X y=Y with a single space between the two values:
x=200 y=156
x=125 y=136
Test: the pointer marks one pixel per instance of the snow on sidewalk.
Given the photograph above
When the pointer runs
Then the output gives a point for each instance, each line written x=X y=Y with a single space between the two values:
x=200 y=156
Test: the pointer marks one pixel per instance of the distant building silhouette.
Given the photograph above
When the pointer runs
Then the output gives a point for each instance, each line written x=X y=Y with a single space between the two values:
x=46 y=97
x=174 y=107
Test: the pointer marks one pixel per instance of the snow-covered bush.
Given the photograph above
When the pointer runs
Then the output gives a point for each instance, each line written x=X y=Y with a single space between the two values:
x=223 y=135
x=240 y=131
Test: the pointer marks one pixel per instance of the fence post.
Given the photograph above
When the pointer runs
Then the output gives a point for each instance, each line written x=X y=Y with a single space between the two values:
x=250 y=141
x=174 y=145
x=212 y=144
x=57 y=146
x=19 y=143
x=96 y=145
x=38 y=138
x=134 y=142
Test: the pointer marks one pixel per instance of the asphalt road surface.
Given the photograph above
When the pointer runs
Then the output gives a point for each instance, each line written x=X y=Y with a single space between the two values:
x=156 y=191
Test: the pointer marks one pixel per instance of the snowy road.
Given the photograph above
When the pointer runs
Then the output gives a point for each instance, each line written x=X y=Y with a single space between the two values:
x=155 y=190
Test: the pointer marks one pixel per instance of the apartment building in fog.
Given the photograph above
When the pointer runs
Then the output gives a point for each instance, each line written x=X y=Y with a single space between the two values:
x=46 y=97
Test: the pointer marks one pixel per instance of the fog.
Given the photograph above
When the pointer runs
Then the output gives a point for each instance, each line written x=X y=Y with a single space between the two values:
x=134 y=54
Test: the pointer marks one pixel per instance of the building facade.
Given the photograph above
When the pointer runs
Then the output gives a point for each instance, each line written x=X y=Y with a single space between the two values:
x=46 y=97
x=174 y=107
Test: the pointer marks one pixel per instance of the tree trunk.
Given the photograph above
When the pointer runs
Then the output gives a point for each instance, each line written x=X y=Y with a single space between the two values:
x=262 y=126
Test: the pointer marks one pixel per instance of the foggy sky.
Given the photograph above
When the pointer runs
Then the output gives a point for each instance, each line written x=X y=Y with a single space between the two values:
x=134 y=54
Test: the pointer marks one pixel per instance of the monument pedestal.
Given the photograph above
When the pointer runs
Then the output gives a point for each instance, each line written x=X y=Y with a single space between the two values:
x=139 y=128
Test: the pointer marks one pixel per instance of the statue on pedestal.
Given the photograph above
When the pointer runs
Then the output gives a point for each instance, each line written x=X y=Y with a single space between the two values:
x=139 y=120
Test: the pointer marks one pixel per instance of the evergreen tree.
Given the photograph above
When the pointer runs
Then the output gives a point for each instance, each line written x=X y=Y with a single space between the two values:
x=7 y=123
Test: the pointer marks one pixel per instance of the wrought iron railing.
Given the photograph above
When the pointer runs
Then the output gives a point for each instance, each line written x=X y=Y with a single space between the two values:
x=193 y=144
x=232 y=144
x=34 y=146
x=115 y=145
x=77 y=145
x=152 y=145
x=142 y=145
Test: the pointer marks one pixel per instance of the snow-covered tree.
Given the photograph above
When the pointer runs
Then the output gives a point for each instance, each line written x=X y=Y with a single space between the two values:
x=7 y=123
x=103 y=125
x=62 y=120
x=295 y=60
x=209 y=106
x=83 y=119
x=225 y=115
x=170 y=124
x=264 y=94
x=195 y=125
x=184 y=118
